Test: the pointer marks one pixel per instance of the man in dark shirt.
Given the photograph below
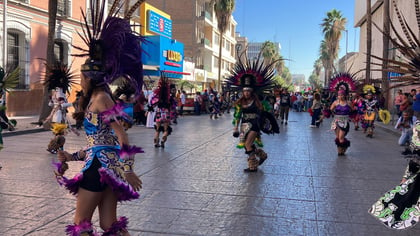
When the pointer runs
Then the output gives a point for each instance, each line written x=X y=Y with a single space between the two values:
x=285 y=104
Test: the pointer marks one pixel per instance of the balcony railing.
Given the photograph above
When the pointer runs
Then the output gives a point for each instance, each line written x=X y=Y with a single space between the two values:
x=206 y=42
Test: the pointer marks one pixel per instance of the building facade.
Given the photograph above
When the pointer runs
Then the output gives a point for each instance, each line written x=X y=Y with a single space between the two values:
x=195 y=25
x=254 y=49
x=24 y=42
x=358 y=61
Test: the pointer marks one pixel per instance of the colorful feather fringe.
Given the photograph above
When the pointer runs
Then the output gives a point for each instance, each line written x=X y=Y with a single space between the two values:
x=84 y=228
x=122 y=190
x=385 y=116
x=128 y=151
x=117 y=227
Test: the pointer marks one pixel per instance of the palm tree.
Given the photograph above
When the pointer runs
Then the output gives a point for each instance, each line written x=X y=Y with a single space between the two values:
x=269 y=51
x=324 y=57
x=52 y=17
x=223 y=10
x=317 y=67
x=332 y=26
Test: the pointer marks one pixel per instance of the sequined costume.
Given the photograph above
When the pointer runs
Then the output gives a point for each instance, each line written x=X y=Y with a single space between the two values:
x=399 y=208
x=102 y=146
x=341 y=121
x=162 y=104
x=370 y=109
x=249 y=118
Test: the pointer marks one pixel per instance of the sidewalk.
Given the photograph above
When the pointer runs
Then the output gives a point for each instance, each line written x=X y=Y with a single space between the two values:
x=24 y=125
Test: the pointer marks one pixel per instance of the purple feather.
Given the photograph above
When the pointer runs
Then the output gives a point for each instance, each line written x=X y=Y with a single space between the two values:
x=57 y=166
x=71 y=184
x=78 y=229
x=116 y=111
x=127 y=151
x=117 y=227
x=123 y=190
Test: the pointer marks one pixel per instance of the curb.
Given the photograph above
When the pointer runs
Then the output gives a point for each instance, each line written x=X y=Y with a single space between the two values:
x=24 y=131
x=389 y=130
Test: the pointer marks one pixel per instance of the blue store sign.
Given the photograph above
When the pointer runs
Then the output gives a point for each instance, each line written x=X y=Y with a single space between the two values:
x=159 y=24
x=167 y=54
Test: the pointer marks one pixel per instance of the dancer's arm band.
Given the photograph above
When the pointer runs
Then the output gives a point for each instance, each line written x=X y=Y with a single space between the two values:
x=128 y=165
x=76 y=156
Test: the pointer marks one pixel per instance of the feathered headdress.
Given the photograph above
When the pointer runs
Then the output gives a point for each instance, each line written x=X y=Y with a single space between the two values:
x=162 y=93
x=58 y=75
x=369 y=89
x=9 y=80
x=343 y=81
x=252 y=74
x=407 y=67
x=113 y=48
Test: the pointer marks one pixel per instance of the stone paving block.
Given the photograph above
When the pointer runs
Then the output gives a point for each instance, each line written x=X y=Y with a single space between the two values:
x=196 y=185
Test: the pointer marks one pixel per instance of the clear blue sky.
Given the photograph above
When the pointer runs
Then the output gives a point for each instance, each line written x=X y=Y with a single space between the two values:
x=295 y=24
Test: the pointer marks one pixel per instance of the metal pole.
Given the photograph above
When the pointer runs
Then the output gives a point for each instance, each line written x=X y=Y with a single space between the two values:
x=4 y=62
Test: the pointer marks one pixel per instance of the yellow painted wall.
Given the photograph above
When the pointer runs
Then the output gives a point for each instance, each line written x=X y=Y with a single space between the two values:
x=143 y=17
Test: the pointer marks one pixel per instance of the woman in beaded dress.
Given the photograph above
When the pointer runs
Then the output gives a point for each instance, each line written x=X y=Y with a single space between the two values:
x=108 y=174
x=340 y=124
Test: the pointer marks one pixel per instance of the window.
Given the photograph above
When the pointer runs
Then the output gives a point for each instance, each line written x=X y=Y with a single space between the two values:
x=16 y=56
x=216 y=39
x=63 y=7
x=59 y=51
x=216 y=62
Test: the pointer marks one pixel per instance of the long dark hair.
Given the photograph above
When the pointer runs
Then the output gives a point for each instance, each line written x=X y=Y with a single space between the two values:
x=254 y=97
x=94 y=85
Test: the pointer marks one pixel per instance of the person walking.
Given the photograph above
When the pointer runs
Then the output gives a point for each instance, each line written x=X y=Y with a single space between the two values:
x=107 y=176
x=150 y=117
x=197 y=103
x=183 y=99
x=416 y=105
x=358 y=106
x=285 y=104
x=316 y=109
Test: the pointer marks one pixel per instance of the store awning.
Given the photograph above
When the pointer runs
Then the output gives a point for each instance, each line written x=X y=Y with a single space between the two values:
x=150 y=67
x=174 y=74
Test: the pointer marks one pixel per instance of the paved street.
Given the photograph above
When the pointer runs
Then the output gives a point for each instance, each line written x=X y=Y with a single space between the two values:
x=196 y=185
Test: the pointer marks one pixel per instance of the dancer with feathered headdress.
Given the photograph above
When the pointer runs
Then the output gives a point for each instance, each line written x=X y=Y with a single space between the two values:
x=7 y=81
x=253 y=78
x=342 y=84
x=370 y=109
x=162 y=105
x=108 y=177
x=399 y=208
x=58 y=80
